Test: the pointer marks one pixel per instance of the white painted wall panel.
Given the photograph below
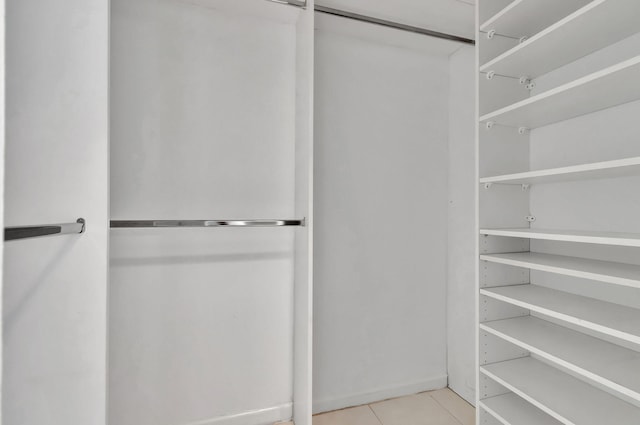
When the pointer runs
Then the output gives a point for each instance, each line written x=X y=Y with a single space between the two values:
x=55 y=288
x=461 y=300
x=203 y=126
x=381 y=198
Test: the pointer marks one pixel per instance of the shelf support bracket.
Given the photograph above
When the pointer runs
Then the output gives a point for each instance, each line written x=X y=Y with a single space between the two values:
x=490 y=74
x=492 y=33
x=527 y=82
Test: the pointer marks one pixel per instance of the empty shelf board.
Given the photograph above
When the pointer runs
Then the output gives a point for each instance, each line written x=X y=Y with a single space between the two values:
x=603 y=89
x=511 y=409
x=583 y=32
x=627 y=167
x=567 y=399
x=589 y=313
x=608 y=364
x=579 y=236
x=584 y=268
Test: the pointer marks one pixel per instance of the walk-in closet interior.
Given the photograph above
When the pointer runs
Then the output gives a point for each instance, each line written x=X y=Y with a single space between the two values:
x=329 y=212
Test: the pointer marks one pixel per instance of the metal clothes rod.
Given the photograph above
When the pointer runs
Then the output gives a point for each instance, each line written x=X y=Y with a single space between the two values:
x=391 y=24
x=23 y=232
x=204 y=223
x=297 y=3
x=368 y=19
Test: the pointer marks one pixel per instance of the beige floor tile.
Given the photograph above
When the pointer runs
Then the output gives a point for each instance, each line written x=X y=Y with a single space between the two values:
x=361 y=415
x=456 y=405
x=284 y=423
x=413 y=410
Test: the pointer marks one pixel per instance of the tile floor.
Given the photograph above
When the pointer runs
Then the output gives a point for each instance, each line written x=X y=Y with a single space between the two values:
x=441 y=407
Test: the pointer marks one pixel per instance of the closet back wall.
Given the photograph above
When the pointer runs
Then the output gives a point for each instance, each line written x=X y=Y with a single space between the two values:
x=203 y=124
x=381 y=161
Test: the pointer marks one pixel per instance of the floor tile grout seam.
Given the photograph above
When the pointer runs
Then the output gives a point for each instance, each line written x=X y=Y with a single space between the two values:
x=445 y=408
x=428 y=394
x=455 y=418
x=375 y=414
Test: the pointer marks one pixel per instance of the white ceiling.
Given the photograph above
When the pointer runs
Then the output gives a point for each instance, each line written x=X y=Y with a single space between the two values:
x=455 y=17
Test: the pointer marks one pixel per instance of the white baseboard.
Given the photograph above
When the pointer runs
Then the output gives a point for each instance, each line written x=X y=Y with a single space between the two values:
x=351 y=400
x=267 y=416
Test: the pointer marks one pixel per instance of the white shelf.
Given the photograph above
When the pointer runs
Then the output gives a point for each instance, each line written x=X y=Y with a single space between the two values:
x=527 y=17
x=579 y=34
x=567 y=399
x=603 y=89
x=510 y=409
x=599 y=170
x=600 y=238
x=608 y=364
x=589 y=313
x=602 y=271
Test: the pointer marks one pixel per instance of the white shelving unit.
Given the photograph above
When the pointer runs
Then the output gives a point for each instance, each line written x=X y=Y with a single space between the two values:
x=557 y=261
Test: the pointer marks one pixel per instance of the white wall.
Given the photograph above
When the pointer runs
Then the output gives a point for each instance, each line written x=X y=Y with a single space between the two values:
x=461 y=298
x=56 y=171
x=203 y=126
x=381 y=160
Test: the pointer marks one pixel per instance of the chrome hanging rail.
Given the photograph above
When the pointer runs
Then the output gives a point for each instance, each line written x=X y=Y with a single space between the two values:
x=205 y=223
x=391 y=24
x=297 y=3
x=23 y=232
x=368 y=19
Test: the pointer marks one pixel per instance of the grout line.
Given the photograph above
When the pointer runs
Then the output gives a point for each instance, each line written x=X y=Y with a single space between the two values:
x=427 y=393
x=375 y=414
x=445 y=407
